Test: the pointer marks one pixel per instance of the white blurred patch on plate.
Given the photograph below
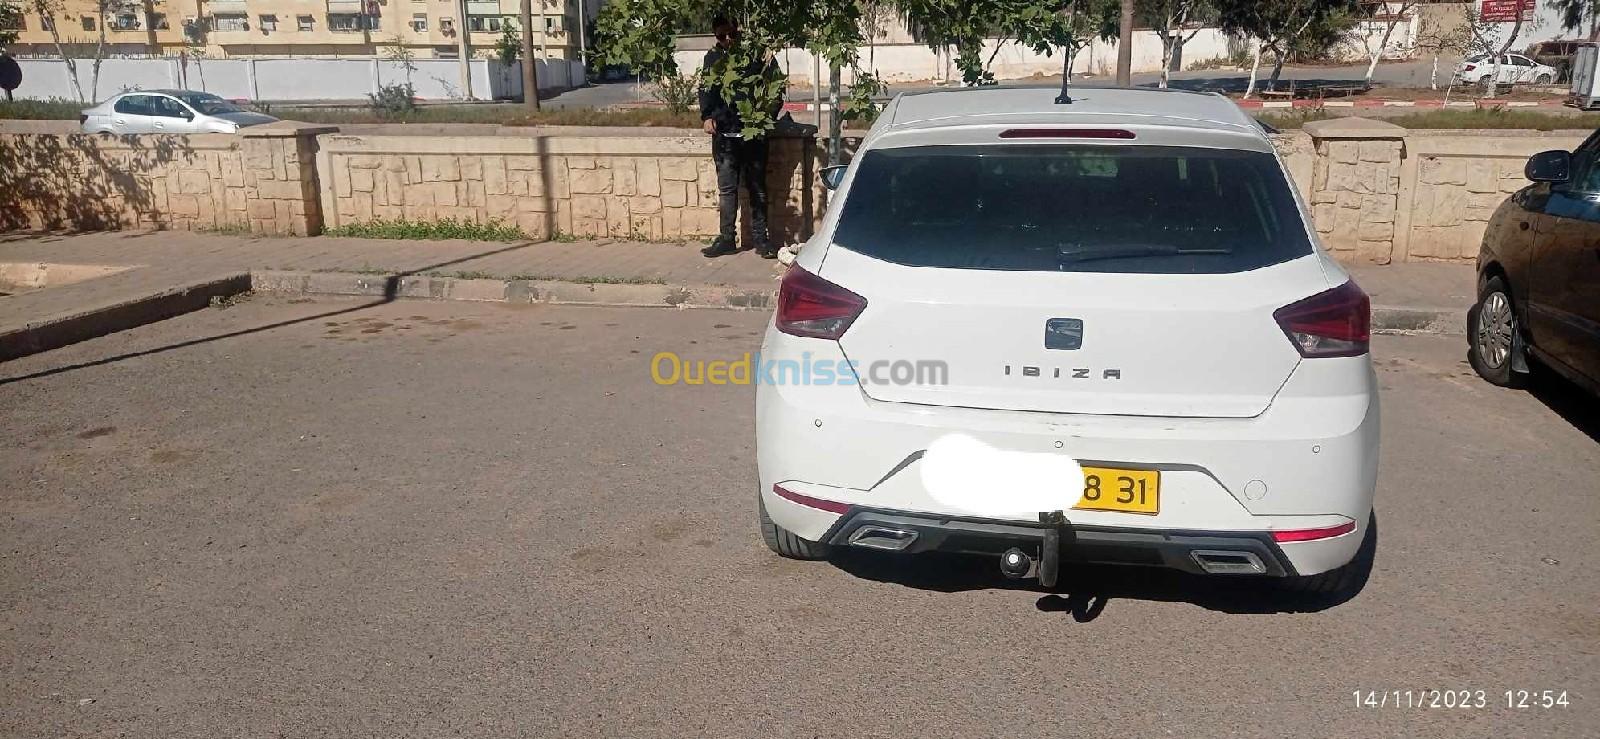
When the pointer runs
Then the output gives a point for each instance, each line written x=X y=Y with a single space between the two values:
x=964 y=473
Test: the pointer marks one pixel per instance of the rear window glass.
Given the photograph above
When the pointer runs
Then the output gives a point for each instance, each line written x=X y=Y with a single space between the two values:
x=1151 y=209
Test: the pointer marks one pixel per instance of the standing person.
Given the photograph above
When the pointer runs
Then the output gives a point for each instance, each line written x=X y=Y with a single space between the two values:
x=736 y=157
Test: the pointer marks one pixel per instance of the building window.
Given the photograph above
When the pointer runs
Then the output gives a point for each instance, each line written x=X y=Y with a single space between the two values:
x=47 y=23
x=549 y=25
x=269 y=23
x=305 y=22
x=88 y=23
x=17 y=22
x=447 y=26
x=125 y=22
x=446 y=52
x=489 y=23
x=351 y=22
x=230 y=22
x=158 y=21
x=419 y=22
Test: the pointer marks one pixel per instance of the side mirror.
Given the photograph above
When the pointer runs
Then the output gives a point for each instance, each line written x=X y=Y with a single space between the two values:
x=832 y=176
x=1549 y=166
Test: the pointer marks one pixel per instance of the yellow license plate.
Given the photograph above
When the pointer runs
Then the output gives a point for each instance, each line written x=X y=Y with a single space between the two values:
x=1124 y=491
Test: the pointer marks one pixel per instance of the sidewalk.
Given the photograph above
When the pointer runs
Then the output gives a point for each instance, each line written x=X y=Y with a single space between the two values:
x=179 y=271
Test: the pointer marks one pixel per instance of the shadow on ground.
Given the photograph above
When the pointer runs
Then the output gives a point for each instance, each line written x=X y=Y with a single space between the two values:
x=1084 y=590
x=1574 y=404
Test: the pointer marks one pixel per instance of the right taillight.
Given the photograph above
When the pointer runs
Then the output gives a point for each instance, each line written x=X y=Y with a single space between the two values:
x=811 y=306
x=1332 y=323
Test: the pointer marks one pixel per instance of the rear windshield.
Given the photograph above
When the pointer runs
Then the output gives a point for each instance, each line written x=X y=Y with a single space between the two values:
x=1152 y=209
x=209 y=104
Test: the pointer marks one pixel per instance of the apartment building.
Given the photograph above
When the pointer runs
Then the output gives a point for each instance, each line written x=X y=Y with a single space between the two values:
x=429 y=29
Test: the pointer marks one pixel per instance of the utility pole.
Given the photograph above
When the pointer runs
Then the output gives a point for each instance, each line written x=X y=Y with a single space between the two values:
x=544 y=51
x=530 y=72
x=583 y=31
x=834 y=155
x=465 y=49
x=1125 y=46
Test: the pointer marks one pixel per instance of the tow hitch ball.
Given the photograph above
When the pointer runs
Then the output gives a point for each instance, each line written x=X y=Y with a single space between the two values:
x=1017 y=564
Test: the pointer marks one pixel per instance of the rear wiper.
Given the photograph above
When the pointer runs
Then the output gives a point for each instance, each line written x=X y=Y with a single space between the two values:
x=1129 y=250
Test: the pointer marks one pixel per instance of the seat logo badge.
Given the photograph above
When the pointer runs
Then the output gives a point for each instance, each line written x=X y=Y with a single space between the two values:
x=1063 y=333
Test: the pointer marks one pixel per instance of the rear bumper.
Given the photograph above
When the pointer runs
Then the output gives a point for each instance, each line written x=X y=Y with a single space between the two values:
x=1079 y=544
x=1307 y=462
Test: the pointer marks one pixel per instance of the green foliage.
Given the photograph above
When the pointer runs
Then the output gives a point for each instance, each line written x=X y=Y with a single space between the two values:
x=679 y=93
x=54 y=109
x=858 y=103
x=640 y=34
x=1044 y=26
x=10 y=20
x=508 y=48
x=393 y=101
x=448 y=228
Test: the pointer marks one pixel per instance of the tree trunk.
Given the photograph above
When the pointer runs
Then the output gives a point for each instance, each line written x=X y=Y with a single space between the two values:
x=835 y=134
x=1388 y=30
x=1167 y=44
x=1255 y=69
x=1125 y=45
x=1433 y=74
x=1278 y=57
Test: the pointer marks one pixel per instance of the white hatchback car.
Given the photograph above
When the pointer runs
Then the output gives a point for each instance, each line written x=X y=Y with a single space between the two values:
x=168 y=111
x=1515 y=69
x=1089 y=331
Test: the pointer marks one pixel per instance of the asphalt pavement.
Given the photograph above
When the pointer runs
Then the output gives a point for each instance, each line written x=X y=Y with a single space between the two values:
x=297 y=518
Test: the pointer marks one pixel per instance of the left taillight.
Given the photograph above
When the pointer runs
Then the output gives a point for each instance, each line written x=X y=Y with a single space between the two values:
x=1332 y=323
x=811 y=306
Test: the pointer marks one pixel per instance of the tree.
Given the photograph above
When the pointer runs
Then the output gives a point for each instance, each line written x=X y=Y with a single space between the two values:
x=1045 y=26
x=1390 y=15
x=1280 y=26
x=1576 y=13
x=508 y=48
x=1175 y=22
x=1438 y=37
x=10 y=21
x=1125 y=42
x=103 y=8
x=1485 y=41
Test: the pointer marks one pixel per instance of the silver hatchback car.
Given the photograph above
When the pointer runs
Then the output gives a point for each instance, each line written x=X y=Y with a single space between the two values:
x=168 y=111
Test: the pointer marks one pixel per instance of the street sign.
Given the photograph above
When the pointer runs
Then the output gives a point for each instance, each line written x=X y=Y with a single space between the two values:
x=1505 y=11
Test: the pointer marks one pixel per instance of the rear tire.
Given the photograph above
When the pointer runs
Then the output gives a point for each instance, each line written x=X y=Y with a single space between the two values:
x=1544 y=79
x=784 y=542
x=1341 y=582
x=1494 y=332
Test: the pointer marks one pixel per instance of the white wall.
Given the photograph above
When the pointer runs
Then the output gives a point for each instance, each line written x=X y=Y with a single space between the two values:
x=916 y=62
x=289 y=79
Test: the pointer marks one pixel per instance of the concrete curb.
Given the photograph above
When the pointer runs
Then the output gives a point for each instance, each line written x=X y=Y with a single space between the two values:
x=61 y=330
x=1386 y=319
x=512 y=291
x=69 y=328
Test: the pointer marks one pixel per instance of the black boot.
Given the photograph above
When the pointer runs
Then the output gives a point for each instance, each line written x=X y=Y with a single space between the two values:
x=721 y=247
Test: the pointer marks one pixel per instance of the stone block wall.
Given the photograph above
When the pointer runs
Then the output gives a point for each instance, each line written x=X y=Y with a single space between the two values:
x=1460 y=182
x=263 y=181
x=647 y=186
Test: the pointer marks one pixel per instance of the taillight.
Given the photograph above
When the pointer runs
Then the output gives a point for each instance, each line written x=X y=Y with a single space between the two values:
x=811 y=306
x=1328 y=532
x=1469 y=67
x=1332 y=323
x=1066 y=133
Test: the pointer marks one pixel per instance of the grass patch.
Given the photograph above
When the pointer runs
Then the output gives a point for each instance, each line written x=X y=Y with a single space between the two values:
x=511 y=115
x=227 y=229
x=1503 y=118
x=448 y=228
x=1292 y=118
x=41 y=110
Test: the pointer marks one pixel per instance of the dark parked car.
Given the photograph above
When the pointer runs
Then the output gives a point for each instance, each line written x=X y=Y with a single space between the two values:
x=1539 y=274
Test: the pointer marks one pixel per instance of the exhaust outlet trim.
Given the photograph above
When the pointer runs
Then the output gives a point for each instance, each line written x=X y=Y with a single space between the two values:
x=872 y=536
x=1228 y=562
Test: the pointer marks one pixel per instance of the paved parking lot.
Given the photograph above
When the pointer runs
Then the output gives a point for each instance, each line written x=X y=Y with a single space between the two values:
x=331 y=518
